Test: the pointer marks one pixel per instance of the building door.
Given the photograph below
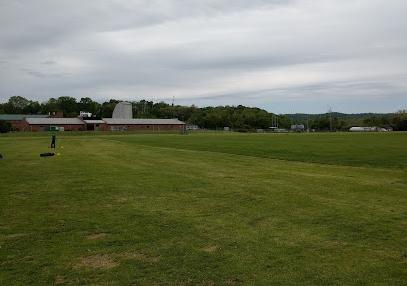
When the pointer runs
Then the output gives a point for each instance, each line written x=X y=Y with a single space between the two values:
x=90 y=127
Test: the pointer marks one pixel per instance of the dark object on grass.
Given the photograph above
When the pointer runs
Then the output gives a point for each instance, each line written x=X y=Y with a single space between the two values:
x=48 y=154
x=53 y=141
x=1 y=156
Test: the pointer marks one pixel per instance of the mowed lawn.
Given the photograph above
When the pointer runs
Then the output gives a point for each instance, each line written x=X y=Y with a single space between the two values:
x=204 y=209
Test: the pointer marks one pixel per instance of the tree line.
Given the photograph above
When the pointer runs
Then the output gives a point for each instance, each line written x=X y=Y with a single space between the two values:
x=239 y=117
x=340 y=121
x=236 y=117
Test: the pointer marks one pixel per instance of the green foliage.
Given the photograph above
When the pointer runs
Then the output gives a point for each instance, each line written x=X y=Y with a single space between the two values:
x=399 y=120
x=5 y=127
x=236 y=117
x=68 y=106
x=50 y=106
x=87 y=104
x=341 y=121
x=19 y=104
x=106 y=109
x=204 y=209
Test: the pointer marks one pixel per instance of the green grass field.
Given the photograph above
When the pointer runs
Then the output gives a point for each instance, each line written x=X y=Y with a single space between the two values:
x=204 y=209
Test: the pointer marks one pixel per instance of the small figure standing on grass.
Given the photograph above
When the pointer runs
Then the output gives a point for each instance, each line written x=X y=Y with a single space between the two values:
x=53 y=141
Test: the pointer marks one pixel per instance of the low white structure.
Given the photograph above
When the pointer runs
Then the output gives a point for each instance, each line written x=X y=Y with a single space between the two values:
x=367 y=129
x=192 y=127
x=298 y=127
x=85 y=114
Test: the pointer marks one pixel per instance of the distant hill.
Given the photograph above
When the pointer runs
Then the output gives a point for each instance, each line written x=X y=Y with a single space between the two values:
x=342 y=121
x=302 y=117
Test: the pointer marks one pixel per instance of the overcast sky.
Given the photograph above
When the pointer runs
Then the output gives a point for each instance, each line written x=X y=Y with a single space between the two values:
x=282 y=55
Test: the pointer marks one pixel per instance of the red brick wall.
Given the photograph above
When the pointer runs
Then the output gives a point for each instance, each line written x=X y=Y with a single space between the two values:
x=145 y=127
x=22 y=125
x=17 y=125
x=102 y=127
x=36 y=128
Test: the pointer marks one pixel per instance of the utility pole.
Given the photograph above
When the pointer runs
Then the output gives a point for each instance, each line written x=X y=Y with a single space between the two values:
x=330 y=118
x=173 y=109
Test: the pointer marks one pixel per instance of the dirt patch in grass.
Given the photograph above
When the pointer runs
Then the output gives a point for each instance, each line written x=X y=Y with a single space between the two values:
x=96 y=262
x=14 y=235
x=122 y=200
x=234 y=281
x=210 y=248
x=59 y=280
x=140 y=257
x=96 y=236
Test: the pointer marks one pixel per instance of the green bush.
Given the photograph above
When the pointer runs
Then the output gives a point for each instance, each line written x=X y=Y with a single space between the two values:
x=5 y=127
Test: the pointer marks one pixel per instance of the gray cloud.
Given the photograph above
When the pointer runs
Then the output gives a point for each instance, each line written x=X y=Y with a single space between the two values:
x=260 y=53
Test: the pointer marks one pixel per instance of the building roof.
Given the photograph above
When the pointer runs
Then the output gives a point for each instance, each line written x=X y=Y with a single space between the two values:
x=93 y=121
x=136 y=121
x=8 y=117
x=54 y=121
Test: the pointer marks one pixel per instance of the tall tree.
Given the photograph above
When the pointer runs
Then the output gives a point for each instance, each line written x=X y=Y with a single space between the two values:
x=87 y=104
x=68 y=106
x=50 y=106
x=16 y=104
x=106 y=110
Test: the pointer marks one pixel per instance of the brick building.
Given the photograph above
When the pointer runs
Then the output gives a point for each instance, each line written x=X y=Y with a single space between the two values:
x=148 y=125
x=22 y=122
x=17 y=121
x=94 y=124
x=61 y=124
